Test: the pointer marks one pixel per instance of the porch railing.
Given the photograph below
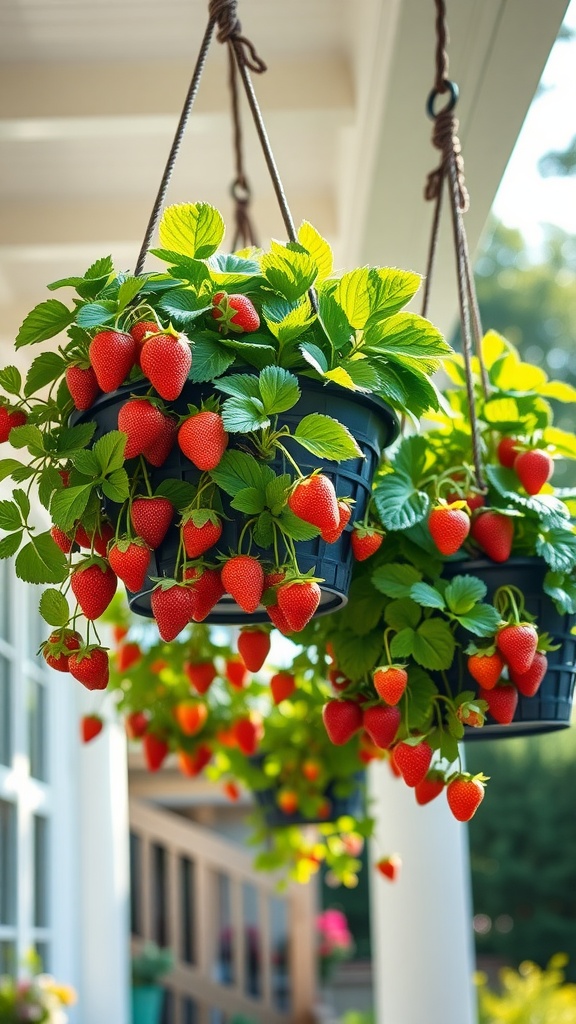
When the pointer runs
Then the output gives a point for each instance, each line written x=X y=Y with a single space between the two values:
x=241 y=948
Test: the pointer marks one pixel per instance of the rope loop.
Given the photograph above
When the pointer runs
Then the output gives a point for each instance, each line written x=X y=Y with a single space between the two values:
x=224 y=14
x=445 y=138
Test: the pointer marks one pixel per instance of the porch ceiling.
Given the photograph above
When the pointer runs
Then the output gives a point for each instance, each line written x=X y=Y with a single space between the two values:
x=90 y=92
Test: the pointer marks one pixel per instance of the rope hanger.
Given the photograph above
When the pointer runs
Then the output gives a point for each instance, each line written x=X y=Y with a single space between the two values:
x=450 y=173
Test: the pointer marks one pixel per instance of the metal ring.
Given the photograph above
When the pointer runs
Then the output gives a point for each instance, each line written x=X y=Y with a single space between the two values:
x=240 y=191
x=451 y=88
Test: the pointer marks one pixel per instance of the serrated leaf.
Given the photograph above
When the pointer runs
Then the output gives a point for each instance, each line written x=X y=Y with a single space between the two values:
x=296 y=528
x=406 y=334
x=287 y=321
x=482 y=620
x=399 y=503
x=357 y=655
x=364 y=609
x=9 y=545
x=420 y=692
x=402 y=644
x=326 y=438
x=96 y=314
x=11 y=380
x=67 y=506
x=45 y=321
x=559 y=390
x=65 y=282
x=391 y=289
x=402 y=613
x=502 y=411
x=129 y=290
x=23 y=502
x=546 y=506
x=249 y=500
x=558 y=548
x=315 y=357
x=73 y=439
x=419 y=392
x=116 y=486
x=10 y=516
x=8 y=466
x=239 y=385
x=352 y=293
x=562 y=589
x=278 y=389
x=86 y=463
x=427 y=596
x=395 y=580
x=288 y=272
x=341 y=377
x=54 y=608
x=48 y=482
x=28 y=436
x=564 y=442
x=185 y=306
x=41 y=561
x=192 y=229
x=363 y=374
x=46 y=368
x=241 y=415
x=179 y=492
x=449 y=747
x=434 y=644
x=263 y=532
x=252 y=352
x=209 y=359
x=318 y=248
x=410 y=458
x=277 y=492
x=237 y=470
x=230 y=269
x=463 y=592
x=109 y=451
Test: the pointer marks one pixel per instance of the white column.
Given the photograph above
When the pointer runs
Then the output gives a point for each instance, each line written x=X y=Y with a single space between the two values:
x=421 y=925
x=104 y=870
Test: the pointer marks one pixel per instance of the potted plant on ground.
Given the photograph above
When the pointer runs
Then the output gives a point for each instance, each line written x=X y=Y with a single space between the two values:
x=34 y=997
x=148 y=966
x=461 y=623
x=207 y=434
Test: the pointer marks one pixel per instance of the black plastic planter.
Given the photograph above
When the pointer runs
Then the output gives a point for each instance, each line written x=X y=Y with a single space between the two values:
x=352 y=805
x=371 y=422
x=551 y=706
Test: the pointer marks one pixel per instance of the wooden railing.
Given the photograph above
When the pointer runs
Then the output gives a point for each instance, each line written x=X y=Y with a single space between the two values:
x=240 y=947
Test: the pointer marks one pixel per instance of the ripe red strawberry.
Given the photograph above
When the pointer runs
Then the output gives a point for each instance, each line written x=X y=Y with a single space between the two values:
x=128 y=655
x=518 y=644
x=172 y=608
x=192 y=764
x=254 y=648
x=82 y=385
x=90 y=727
x=231 y=789
x=502 y=702
x=136 y=724
x=277 y=617
x=191 y=716
x=130 y=560
x=486 y=669
x=93 y=586
x=235 y=312
x=311 y=770
x=102 y=537
x=64 y=542
x=203 y=439
x=140 y=330
x=390 y=867
x=282 y=686
x=287 y=801
x=10 y=418
x=390 y=681
x=529 y=682
x=365 y=542
x=201 y=674
x=166 y=359
x=338 y=680
x=200 y=538
x=243 y=579
x=314 y=500
x=533 y=469
x=298 y=601
x=112 y=355
x=143 y=423
x=381 y=723
x=119 y=632
x=248 y=731
x=431 y=786
x=208 y=588
x=449 y=528
x=158 y=452
x=155 y=749
x=151 y=518
x=237 y=673
x=413 y=761
x=464 y=794
x=90 y=667
x=507 y=451
x=58 y=648
x=494 y=533
x=342 y=718
x=344 y=513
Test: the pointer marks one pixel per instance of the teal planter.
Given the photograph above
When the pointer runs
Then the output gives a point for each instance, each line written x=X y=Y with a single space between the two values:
x=147 y=1004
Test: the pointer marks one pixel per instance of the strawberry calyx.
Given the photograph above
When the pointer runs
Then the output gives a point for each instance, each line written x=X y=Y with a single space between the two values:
x=86 y=650
x=459 y=776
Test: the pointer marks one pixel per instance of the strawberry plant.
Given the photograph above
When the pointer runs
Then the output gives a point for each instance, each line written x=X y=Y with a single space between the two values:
x=208 y=432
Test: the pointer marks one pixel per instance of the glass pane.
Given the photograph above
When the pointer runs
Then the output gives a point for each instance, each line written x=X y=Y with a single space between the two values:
x=40 y=872
x=37 y=630
x=224 y=963
x=8 y=963
x=189 y=1011
x=280 y=965
x=252 y=967
x=37 y=725
x=43 y=952
x=5 y=713
x=6 y=577
x=7 y=863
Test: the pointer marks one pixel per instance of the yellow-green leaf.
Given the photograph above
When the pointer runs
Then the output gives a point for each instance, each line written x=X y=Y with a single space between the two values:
x=559 y=390
x=563 y=442
x=493 y=346
x=341 y=377
x=501 y=410
x=513 y=375
x=192 y=229
x=318 y=248
x=353 y=295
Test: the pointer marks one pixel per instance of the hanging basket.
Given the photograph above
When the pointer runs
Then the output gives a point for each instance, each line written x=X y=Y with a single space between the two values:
x=550 y=708
x=349 y=805
x=371 y=422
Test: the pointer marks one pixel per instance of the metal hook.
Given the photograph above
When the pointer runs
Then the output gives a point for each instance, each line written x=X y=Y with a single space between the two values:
x=451 y=88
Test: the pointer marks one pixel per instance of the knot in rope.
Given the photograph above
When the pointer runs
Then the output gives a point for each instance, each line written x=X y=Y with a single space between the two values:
x=445 y=138
x=223 y=12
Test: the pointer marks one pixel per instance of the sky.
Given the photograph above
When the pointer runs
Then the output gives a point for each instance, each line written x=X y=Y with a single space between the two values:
x=525 y=200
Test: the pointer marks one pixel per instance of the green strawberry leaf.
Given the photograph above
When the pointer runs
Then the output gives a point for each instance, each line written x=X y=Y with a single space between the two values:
x=28 y=437
x=239 y=385
x=250 y=500
x=263 y=532
x=9 y=545
x=242 y=415
x=315 y=357
x=179 y=492
x=357 y=655
x=48 y=482
x=410 y=459
x=399 y=503
x=279 y=389
x=72 y=439
x=45 y=321
x=54 y=608
x=364 y=608
x=434 y=644
x=47 y=367
x=116 y=486
x=395 y=579
x=9 y=466
x=286 y=320
x=352 y=293
x=402 y=613
x=184 y=306
x=41 y=561
x=545 y=506
x=482 y=620
x=97 y=314
x=463 y=592
x=449 y=746
x=237 y=470
x=192 y=229
x=289 y=272
x=253 y=352
x=128 y=290
x=67 y=506
x=402 y=644
x=277 y=493
x=23 y=502
x=86 y=463
x=326 y=438
x=296 y=528
x=318 y=247
x=390 y=290
x=209 y=359
x=558 y=548
x=11 y=380
x=109 y=451
x=406 y=334
x=562 y=589
x=10 y=516
x=427 y=596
